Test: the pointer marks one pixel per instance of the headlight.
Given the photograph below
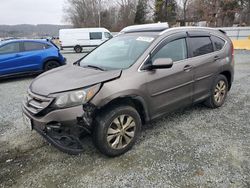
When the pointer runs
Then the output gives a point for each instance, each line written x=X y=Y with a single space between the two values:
x=75 y=98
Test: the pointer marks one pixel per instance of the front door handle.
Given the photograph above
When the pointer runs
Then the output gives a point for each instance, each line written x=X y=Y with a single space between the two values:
x=216 y=58
x=187 y=68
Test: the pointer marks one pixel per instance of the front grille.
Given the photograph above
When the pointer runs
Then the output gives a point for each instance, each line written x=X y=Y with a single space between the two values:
x=35 y=103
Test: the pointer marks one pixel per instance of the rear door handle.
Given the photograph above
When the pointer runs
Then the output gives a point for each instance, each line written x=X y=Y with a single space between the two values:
x=187 y=68
x=216 y=58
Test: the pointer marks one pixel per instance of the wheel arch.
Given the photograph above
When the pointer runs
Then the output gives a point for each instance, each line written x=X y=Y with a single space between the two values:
x=50 y=59
x=77 y=45
x=228 y=75
x=135 y=101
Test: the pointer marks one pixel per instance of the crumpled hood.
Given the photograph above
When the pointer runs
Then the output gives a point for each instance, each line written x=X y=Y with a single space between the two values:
x=68 y=78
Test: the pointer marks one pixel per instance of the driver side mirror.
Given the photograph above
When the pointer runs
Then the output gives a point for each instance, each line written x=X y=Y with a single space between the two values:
x=160 y=63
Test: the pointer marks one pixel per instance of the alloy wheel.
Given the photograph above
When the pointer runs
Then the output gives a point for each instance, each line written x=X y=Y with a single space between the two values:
x=121 y=131
x=220 y=91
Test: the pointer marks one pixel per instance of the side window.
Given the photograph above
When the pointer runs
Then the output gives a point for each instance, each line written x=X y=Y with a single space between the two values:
x=47 y=46
x=218 y=43
x=95 y=35
x=107 y=35
x=176 y=50
x=10 y=48
x=201 y=45
x=33 y=46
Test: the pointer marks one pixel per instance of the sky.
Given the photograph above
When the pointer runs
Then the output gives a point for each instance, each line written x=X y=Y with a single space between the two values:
x=31 y=12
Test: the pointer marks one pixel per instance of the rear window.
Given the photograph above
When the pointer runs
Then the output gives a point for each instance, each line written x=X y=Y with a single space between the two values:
x=33 y=46
x=95 y=35
x=218 y=43
x=201 y=46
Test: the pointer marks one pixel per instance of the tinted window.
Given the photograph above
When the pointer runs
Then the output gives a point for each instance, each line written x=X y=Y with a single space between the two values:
x=201 y=45
x=176 y=50
x=32 y=46
x=10 y=48
x=95 y=35
x=218 y=43
x=107 y=35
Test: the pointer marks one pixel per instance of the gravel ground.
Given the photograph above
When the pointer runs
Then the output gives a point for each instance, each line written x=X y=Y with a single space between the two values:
x=195 y=147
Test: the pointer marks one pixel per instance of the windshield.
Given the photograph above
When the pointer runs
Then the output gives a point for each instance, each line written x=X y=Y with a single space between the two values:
x=118 y=53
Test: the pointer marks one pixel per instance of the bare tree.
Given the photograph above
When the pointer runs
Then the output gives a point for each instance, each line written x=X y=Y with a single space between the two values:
x=185 y=3
x=127 y=12
x=116 y=14
x=83 y=13
x=216 y=13
x=93 y=13
x=244 y=12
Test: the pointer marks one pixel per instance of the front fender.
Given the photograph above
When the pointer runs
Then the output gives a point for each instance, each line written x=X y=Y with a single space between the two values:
x=129 y=94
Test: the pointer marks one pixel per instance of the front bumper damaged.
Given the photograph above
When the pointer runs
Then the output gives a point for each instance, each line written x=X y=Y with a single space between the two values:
x=65 y=128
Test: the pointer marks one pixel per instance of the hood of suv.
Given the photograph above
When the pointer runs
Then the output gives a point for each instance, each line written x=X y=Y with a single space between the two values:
x=68 y=78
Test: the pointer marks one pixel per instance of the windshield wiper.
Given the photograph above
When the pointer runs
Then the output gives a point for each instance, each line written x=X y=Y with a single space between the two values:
x=95 y=67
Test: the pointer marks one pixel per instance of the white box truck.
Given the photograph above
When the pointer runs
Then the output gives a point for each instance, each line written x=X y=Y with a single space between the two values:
x=80 y=38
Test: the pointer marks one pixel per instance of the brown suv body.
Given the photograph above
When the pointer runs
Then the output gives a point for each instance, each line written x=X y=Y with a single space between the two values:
x=152 y=90
x=163 y=90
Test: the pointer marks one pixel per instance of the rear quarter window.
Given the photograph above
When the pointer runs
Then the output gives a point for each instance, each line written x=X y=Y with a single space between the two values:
x=33 y=46
x=218 y=43
x=200 y=45
x=95 y=35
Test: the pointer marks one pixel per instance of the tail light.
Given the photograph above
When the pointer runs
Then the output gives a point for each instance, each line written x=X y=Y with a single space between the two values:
x=232 y=49
x=232 y=53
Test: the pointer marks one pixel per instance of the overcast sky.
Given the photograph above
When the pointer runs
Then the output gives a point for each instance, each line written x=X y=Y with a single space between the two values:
x=31 y=12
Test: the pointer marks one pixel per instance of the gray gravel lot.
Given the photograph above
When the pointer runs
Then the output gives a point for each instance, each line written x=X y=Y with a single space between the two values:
x=195 y=147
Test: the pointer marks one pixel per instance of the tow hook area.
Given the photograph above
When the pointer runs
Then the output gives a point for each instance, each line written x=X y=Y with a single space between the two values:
x=86 y=120
x=66 y=139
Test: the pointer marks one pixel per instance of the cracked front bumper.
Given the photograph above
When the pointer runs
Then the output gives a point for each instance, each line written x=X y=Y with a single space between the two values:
x=59 y=127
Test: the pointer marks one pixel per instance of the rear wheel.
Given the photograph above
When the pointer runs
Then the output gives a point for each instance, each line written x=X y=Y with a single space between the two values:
x=218 y=92
x=78 y=49
x=51 y=65
x=117 y=130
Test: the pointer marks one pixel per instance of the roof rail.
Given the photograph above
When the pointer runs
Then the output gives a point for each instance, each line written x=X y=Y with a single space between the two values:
x=155 y=27
x=224 y=32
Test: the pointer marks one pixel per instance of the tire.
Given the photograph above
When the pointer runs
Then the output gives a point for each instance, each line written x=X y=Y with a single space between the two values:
x=218 y=92
x=51 y=65
x=78 y=49
x=112 y=140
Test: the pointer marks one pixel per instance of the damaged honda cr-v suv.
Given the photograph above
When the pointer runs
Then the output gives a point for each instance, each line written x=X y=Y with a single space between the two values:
x=137 y=76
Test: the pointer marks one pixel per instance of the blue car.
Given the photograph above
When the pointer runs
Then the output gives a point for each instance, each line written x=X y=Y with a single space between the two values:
x=28 y=56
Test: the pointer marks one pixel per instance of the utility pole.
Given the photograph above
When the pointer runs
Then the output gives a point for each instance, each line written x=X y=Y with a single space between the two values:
x=99 y=13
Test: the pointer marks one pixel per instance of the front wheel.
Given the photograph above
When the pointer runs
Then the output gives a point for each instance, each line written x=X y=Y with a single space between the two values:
x=218 y=92
x=116 y=130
